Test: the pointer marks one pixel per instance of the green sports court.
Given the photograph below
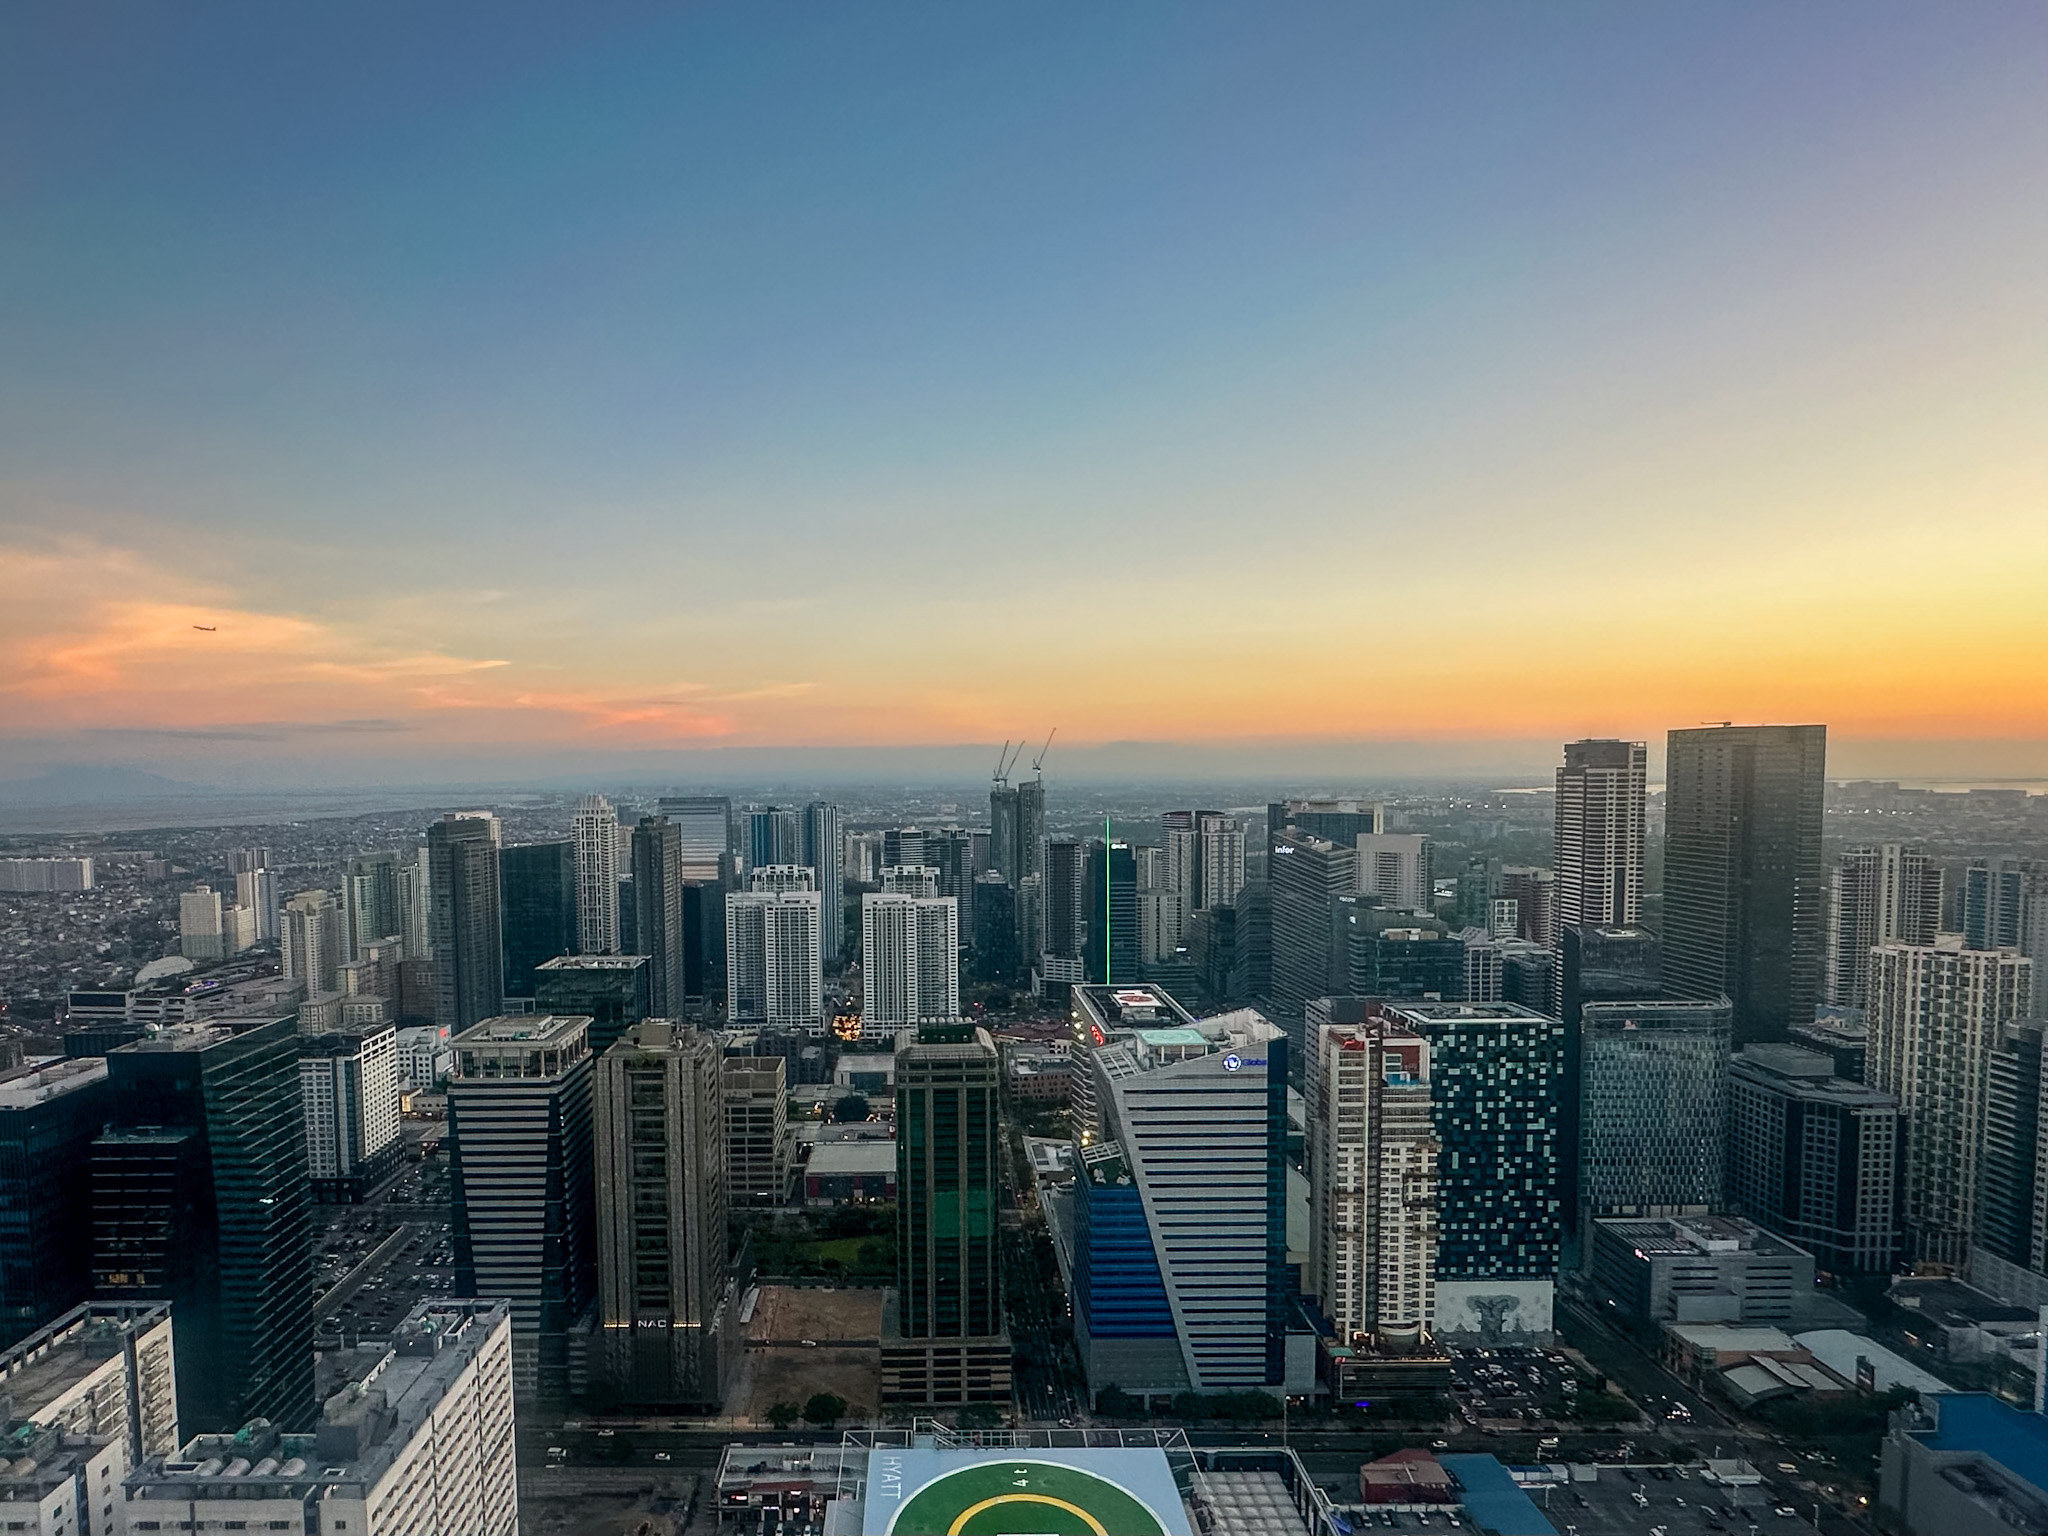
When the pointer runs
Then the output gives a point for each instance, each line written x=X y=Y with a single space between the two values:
x=1039 y=1492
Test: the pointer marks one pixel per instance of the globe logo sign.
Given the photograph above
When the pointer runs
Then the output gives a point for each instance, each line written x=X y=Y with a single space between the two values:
x=1232 y=1062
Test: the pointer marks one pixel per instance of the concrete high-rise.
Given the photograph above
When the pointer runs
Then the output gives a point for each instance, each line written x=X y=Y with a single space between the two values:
x=2009 y=1250
x=758 y=1142
x=1030 y=828
x=1935 y=1014
x=910 y=962
x=1335 y=821
x=1600 y=824
x=465 y=937
x=1527 y=906
x=664 y=1294
x=519 y=1136
x=658 y=911
x=201 y=929
x=594 y=830
x=706 y=825
x=943 y=1338
x=1743 y=882
x=1204 y=857
x=1372 y=1154
x=1881 y=895
x=950 y=854
x=538 y=894
x=774 y=951
x=257 y=890
x=1393 y=868
x=1062 y=910
x=824 y=850
x=2005 y=905
x=200 y=1197
x=1818 y=1160
x=348 y=1090
x=49 y=1115
x=314 y=941
x=369 y=900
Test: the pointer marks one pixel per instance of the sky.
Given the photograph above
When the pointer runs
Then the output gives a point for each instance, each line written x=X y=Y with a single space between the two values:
x=393 y=393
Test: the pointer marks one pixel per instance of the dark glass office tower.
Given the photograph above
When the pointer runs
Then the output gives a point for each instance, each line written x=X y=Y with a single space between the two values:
x=773 y=837
x=996 y=955
x=200 y=1197
x=537 y=882
x=944 y=1341
x=1112 y=916
x=1743 y=882
x=609 y=990
x=464 y=932
x=951 y=852
x=658 y=912
x=49 y=1116
x=1597 y=963
x=2012 y=1224
x=1308 y=874
x=824 y=851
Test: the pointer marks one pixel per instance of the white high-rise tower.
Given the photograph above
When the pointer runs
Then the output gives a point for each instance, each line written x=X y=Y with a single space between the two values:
x=595 y=831
x=1600 y=821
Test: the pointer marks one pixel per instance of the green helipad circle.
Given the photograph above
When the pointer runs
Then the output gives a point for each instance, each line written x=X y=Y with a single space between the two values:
x=1023 y=1498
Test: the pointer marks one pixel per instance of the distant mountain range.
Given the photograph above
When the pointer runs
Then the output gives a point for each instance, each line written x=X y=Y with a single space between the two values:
x=84 y=786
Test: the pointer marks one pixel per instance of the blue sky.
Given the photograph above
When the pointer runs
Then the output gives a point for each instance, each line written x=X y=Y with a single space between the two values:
x=586 y=380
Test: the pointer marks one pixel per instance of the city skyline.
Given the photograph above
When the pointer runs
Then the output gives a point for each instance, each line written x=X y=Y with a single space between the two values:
x=439 y=408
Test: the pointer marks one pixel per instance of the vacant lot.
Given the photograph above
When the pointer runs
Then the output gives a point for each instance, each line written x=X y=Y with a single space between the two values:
x=776 y=1367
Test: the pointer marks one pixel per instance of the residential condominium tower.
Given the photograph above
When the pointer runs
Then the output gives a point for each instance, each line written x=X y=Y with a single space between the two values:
x=1600 y=823
x=1935 y=1014
x=824 y=835
x=910 y=962
x=594 y=830
x=774 y=962
x=1743 y=882
x=1883 y=895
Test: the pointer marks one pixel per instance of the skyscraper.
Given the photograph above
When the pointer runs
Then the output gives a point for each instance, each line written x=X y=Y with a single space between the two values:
x=1062 y=913
x=1308 y=874
x=824 y=851
x=256 y=889
x=1652 y=1107
x=1112 y=953
x=2009 y=1251
x=611 y=991
x=200 y=1197
x=943 y=1341
x=314 y=947
x=1743 y=884
x=1394 y=868
x=369 y=900
x=1496 y=1073
x=49 y=1115
x=2005 y=905
x=1884 y=895
x=758 y=1142
x=348 y=1091
x=774 y=961
x=201 y=931
x=1030 y=828
x=658 y=911
x=1372 y=1153
x=774 y=836
x=910 y=962
x=706 y=825
x=1334 y=821
x=1003 y=836
x=1815 y=1159
x=663 y=1289
x=1599 y=833
x=595 y=832
x=1533 y=894
x=1180 y=1244
x=1935 y=1015
x=537 y=884
x=465 y=937
x=519 y=1136
x=950 y=853
x=996 y=955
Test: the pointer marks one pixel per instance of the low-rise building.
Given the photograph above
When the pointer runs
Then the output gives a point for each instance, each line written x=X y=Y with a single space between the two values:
x=1697 y=1269
x=851 y=1170
x=415 y=1435
x=1964 y=1464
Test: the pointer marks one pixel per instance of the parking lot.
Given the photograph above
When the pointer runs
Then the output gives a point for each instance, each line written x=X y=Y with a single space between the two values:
x=376 y=1260
x=1515 y=1383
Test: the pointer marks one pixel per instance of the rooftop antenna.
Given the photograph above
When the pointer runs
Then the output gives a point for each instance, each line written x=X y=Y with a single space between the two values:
x=1038 y=762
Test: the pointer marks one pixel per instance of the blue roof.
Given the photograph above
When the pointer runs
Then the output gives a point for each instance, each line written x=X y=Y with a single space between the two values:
x=1976 y=1421
x=1494 y=1499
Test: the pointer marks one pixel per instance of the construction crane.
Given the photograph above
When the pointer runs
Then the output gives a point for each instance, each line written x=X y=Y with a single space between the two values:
x=998 y=778
x=1038 y=762
x=1005 y=761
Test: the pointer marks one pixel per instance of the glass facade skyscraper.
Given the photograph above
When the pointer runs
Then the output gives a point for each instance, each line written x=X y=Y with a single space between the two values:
x=200 y=1196
x=537 y=884
x=1652 y=1107
x=464 y=930
x=1744 y=886
x=49 y=1116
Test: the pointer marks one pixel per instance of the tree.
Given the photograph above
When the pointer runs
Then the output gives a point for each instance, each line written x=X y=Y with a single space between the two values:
x=1113 y=1402
x=824 y=1409
x=854 y=1107
x=782 y=1415
x=979 y=1416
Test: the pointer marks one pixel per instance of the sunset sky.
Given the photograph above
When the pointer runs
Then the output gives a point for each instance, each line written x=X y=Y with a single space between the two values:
x=546 y=388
